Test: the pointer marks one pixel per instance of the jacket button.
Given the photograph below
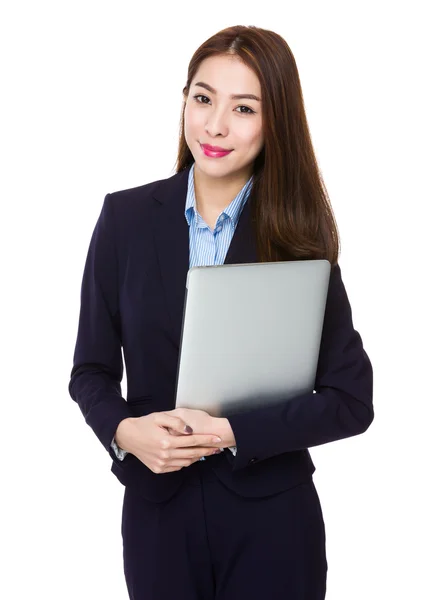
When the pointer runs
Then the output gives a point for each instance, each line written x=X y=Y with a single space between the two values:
x=253 y=460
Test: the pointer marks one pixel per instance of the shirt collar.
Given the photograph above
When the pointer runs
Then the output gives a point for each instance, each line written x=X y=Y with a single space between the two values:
x=233 y=211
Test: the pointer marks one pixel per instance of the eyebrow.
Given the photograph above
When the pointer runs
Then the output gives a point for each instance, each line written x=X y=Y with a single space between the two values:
x=233 y=97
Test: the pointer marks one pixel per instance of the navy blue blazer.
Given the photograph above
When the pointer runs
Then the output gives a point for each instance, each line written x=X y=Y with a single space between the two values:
x=132 y=297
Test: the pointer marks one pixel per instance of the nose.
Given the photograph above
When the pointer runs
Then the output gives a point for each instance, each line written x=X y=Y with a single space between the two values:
x=216 y=124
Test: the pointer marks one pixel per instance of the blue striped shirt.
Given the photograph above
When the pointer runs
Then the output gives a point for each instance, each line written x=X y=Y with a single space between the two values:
x=207 y=247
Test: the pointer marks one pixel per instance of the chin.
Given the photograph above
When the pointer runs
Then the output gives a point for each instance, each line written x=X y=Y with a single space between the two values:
x=216 y=170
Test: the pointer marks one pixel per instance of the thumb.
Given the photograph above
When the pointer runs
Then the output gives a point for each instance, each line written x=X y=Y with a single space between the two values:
x=175 y=423
x=176 y=433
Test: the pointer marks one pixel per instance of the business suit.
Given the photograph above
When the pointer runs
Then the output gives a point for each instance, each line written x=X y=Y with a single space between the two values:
x=133 y=293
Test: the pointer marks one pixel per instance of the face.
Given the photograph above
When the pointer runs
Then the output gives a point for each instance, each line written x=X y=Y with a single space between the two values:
x=213 y=117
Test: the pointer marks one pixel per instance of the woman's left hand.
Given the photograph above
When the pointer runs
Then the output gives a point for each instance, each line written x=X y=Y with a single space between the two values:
x=199 y=420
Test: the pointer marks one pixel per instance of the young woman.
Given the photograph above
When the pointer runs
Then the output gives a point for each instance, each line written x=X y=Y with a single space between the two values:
x=244 y=522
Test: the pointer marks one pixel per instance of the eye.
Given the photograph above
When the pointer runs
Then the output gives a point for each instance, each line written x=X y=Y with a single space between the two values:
x=200 y=96
x=251 y=111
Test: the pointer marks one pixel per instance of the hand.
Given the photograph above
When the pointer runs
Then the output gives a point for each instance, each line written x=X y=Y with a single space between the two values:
x=199 y=420
x=202 y=422
x=149 y=440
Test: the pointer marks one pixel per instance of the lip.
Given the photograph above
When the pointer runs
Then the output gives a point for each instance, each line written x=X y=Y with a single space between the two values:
x=206 y=149
x=215 y=148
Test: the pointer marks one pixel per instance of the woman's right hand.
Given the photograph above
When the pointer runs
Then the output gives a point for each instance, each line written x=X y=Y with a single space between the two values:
x=149 y=440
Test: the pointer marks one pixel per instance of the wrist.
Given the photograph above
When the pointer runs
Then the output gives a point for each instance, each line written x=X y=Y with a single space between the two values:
x=123 y=433
x=223 y=429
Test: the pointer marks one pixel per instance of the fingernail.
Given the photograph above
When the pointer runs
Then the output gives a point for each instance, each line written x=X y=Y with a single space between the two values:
x=188 y=429
x=216 y=439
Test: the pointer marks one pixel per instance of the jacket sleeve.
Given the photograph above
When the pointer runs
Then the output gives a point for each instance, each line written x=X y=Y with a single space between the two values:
x=97 y=365
x=340 y=405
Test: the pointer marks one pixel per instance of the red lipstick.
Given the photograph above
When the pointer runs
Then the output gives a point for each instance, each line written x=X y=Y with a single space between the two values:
x=214 y=151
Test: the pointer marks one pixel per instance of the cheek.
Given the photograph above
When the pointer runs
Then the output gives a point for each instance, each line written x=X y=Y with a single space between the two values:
x=258 y=137
x=252 y=139
x=259 y=141
x=191 y=119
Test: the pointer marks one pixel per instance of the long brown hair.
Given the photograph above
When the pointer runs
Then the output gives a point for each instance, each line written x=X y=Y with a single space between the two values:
x=291 y=212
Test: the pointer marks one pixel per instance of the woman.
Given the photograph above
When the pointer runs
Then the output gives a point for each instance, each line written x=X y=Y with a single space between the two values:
x=244 y=522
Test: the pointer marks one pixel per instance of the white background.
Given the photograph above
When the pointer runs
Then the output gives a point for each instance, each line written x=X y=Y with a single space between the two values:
x=91 y=101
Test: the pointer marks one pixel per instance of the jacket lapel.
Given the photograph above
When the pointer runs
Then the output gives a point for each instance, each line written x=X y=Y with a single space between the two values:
x=171 y=234
x=243 y=245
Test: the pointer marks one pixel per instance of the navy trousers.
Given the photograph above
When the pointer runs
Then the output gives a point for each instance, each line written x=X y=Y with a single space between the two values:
x=208 y=543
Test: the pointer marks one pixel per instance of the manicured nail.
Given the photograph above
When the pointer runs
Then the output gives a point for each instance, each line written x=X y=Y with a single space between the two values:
x=188 y=429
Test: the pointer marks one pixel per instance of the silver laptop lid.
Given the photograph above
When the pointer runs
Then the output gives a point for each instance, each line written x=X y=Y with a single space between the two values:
x=251 y=334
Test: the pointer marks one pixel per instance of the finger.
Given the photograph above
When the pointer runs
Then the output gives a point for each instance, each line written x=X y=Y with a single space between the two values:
x=173 y=432
x=172 y=469
x=203 y=440
x=167 y=470
x=176 y=423
x=176 y=465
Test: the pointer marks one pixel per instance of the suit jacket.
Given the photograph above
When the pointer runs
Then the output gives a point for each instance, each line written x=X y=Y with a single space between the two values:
x=132 y=296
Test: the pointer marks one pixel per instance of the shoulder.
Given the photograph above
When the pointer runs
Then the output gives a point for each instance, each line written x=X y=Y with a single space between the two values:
x=131 y=211
x=137 y=202
x=136 y=198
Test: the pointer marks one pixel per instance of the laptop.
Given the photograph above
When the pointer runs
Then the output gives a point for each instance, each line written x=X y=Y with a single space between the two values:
x=251 y=334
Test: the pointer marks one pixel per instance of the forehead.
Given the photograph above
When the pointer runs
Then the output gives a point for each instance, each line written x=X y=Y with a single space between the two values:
x=228 y=75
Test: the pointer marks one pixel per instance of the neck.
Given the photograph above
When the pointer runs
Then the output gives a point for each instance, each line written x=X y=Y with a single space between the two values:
x=214 y=194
